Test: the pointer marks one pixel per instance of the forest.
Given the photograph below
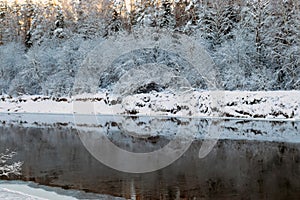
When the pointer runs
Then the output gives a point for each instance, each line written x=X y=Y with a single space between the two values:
x=255 y=44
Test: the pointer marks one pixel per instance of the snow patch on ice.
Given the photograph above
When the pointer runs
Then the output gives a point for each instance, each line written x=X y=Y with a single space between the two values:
x=19 y=190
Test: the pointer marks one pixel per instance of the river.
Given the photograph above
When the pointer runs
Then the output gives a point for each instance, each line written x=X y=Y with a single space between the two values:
x=239 y=166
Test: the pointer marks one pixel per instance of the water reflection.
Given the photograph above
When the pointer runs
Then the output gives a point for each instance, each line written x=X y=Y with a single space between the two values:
x=234 y=169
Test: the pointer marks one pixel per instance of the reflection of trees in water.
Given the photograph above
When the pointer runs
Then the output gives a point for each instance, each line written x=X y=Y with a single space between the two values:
x=7 y=167
x=242 y=168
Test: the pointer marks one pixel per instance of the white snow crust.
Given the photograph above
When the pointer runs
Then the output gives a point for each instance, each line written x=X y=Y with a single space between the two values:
x=228 y=104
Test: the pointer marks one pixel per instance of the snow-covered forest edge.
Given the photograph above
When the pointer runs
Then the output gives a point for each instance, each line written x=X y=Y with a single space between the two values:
x=254 y=44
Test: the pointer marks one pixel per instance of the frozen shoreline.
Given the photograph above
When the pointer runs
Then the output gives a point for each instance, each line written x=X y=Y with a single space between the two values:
x=263 y=116
x=17 y=190
x=280 y=105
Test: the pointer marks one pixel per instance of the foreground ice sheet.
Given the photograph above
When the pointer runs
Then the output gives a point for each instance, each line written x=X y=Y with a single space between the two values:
x=18 y=190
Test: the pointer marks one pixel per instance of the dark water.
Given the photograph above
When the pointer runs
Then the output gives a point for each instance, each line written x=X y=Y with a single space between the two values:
x=234 y=169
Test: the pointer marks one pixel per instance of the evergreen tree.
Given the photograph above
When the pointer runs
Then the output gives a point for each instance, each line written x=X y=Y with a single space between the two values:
x=59 y=23
x=146 y=13
x=193 y=10
x=165 y=17
x=258 y=17
x=217 y=22
x=115 y=23
x=90 y=22
x=27 y=13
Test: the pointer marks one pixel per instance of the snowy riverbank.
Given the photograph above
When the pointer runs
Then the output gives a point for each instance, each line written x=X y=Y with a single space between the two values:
x=232 y=104
x=18 y=190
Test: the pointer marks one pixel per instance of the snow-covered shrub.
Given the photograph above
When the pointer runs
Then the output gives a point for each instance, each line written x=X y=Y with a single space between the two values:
x=47 y=69
x=41 y=61
x=11 y=60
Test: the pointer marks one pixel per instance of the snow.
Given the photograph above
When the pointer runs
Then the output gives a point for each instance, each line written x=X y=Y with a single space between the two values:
x=282 y=105
x=263 y=116
x=15 y=192
x=18 y=190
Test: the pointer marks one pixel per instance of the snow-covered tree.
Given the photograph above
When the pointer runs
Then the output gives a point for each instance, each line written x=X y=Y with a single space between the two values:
x=59 y=23
x=3 y=12
x=10 y=63
x=166 y=18
x=37 y=28
x=284 y=44
x=117 y=11
x=43 y=22
x=27 y=13
x=257 y=41
x=90 y=19
x=12 y=31
x=189 y=21
x=216 y=22
x=146 y=13
x=235 y=59
x=258 y=17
